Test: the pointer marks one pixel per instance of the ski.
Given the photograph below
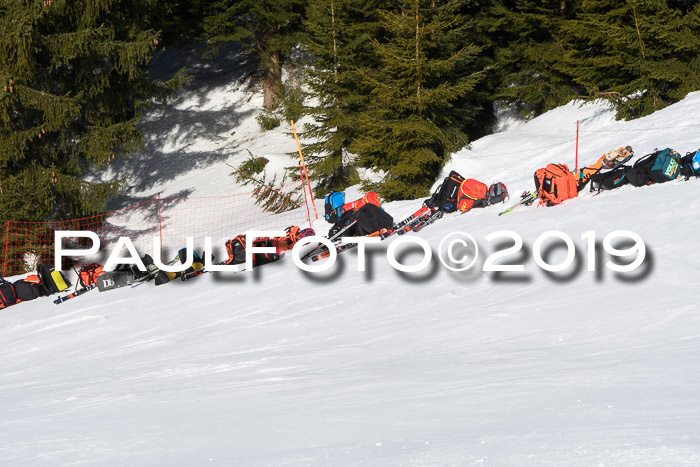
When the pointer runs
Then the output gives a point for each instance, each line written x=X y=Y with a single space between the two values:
x=426 y=221
x=382 y=234
x=526 y=199
x=77 y=293
x=412 y=218
x=321 y=248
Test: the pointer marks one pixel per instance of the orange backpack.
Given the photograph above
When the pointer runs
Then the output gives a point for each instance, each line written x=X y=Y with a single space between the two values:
x=88 y=274
x=554 y=184
x=470 y=193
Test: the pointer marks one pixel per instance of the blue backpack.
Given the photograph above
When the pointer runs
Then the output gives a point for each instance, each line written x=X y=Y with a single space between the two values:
x=334 y=206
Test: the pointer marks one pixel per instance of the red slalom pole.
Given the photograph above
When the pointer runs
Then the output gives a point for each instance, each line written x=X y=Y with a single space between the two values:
x=577 y=126
x=303 y=186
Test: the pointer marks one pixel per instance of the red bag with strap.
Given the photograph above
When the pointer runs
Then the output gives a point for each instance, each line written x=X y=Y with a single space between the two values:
x=88 y=273
x=471 y=192
x=370 y=197
x=554 y=184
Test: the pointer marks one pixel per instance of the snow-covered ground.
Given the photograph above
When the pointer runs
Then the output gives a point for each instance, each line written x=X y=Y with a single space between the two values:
x=281 y=367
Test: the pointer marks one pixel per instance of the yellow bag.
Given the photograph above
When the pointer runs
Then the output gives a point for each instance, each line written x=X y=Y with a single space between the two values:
x=59 y=280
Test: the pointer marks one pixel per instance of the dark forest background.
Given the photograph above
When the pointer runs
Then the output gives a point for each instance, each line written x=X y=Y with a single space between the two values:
x=394 y=85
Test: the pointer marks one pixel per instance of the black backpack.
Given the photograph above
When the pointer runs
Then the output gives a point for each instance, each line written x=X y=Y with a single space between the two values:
x=236 y=248
x=657 y=167
x=26 y=291
x=610 y=179
x=48 y=284
x=8 y=296
x=690 y=165
x=445 y=197
x=369 y=219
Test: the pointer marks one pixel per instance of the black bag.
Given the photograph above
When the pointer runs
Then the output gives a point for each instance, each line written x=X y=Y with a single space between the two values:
x=48 y=283
x=236 y=250
x=445 y=197
x=114 y=280
x=610 y=179
x=264 y=258
x=370 y=219
x=134 y=269
x=690 y=165
x=659 y=166
x=26 y=291
x=8 y=296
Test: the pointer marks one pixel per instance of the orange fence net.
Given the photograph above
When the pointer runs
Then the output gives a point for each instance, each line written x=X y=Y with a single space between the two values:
x=27 y=244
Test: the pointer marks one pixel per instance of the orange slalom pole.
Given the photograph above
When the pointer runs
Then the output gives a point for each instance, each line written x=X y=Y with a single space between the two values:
x=305 y=173
x=303 y=187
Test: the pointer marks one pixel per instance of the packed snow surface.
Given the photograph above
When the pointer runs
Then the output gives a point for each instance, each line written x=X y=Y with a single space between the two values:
x=282 y=367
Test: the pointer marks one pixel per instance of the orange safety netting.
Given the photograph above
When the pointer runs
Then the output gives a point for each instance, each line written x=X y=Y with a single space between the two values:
x=173 y=219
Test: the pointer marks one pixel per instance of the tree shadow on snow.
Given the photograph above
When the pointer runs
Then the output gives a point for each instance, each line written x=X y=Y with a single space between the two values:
x=172 y=132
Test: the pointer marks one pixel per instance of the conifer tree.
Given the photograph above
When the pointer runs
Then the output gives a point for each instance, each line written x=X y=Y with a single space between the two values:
x=410 y=125
x=528 y=39
x=72 y=85
x=337 y=39
x=640 y=54
x=268 y=28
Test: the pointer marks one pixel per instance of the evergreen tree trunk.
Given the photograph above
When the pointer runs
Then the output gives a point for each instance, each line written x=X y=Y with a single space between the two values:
x=272 y=82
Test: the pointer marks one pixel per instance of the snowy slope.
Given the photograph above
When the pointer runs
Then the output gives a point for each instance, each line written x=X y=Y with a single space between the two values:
x=281 y=367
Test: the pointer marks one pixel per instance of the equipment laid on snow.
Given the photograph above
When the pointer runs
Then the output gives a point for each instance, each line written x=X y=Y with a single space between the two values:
x=77 y=293
x=445 y=197
x=52 y=281
x=658 y=167
x=321 y=247
x=472 y=193
x=555 y=184
x=88 y=274
x=617 y=157
x=609 y=160
x=87 y=277
x=526 y=199
x=335 y=205
x=114 y=279
x=8 y=296
x=27 y=289
x=163 y=277
x=370 y=197
x=610 y=179
x=366 y=220
x=690 y=164
x=334 y=202
x=498 y=193
x=418 y=220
